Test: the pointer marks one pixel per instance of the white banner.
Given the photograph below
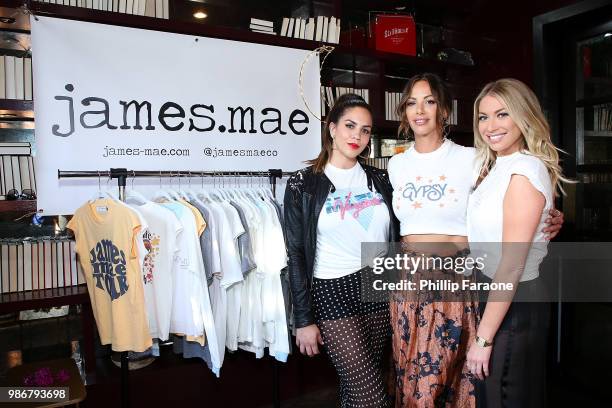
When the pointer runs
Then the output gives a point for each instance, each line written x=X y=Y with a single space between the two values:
x=108 y=96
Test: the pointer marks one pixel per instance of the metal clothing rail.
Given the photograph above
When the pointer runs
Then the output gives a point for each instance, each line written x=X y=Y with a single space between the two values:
x=122 y=174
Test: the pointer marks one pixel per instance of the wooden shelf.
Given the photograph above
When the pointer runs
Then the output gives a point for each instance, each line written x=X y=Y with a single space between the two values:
x=598 y=133
x=16 y=105
x=588 y=168
x=386 y=126
x=44 y=298
x=23 y=206
x=593 y=101
x=461 y=129
x=344 y=56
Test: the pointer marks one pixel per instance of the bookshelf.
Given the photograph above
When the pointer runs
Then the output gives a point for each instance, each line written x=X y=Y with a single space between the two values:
x=347 y=66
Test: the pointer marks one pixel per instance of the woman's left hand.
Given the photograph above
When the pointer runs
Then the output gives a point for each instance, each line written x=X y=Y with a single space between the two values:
x=477 y=360
x=553 y=223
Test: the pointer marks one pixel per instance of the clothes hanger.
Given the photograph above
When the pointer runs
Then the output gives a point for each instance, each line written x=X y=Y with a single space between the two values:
x=133 y=196
x=180 y=192
x=216 y=193
x=161 y=195
x=110 y=194
x=99 y=194
x=188 y=193
x=203 y=193
x=172 y=193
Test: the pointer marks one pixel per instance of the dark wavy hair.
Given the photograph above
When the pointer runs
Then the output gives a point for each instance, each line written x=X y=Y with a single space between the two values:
x=343 y=103
x=439 y=90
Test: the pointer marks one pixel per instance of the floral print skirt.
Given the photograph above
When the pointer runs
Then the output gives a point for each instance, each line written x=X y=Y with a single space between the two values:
x=432 y=332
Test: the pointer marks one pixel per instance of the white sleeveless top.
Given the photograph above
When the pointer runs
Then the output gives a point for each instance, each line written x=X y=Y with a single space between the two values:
x=485 y=215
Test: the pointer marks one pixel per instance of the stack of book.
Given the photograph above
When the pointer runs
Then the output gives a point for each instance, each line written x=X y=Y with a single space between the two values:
x=331 y=93
x=602 y=118
x=325 y=29
x=392 y=100
x=15 y=78
x=379 y=162
x=16 y=168
x=41 y=263
x=149 y=8
x=454 y=117
x=262 y=26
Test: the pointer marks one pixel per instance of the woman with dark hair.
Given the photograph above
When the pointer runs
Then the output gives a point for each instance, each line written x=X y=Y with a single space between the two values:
x=432 y=331
x=332 y=207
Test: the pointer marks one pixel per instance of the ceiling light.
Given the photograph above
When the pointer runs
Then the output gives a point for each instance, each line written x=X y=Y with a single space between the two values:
x=606 y=35
x=200 y=14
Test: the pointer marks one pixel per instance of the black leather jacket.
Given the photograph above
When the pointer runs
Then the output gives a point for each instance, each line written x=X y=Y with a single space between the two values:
x=305 y=195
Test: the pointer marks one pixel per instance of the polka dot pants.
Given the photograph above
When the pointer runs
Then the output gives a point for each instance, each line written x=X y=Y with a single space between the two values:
x=354 y=336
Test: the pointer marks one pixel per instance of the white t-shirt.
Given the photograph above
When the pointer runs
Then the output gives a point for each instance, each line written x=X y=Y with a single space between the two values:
x=351 y=214
x=161 y=240
x=486 y=211
x=430 y=190
x=186 y=319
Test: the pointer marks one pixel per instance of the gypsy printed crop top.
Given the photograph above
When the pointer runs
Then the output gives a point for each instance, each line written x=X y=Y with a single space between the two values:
x=430 y=190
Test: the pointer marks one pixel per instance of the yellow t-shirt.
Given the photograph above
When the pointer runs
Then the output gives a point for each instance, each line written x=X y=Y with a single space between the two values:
x=200 y=222
x=106 y=233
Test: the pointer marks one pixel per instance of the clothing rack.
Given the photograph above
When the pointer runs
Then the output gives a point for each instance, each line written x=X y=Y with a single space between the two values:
x=122 y=174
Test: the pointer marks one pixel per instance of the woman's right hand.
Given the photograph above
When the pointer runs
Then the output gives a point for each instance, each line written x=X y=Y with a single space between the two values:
x=308 y=339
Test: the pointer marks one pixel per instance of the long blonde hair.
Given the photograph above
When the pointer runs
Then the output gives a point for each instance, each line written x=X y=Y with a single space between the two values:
x=525 y=110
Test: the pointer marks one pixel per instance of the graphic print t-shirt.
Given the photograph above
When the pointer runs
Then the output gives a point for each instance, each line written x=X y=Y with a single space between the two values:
x=106 y=234
x=430 y=190
x=351 y=214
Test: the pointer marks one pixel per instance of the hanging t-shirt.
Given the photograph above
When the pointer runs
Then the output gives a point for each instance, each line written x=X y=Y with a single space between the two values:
x=206 y=240
x=161 y=240
x=430 y=190
x=106 y=234
x=191 y=312
x=232 y=275
x=244 y=242
x=352 y=214
x=185 y=318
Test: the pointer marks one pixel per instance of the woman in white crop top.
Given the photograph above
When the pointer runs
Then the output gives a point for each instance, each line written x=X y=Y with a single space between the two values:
x=517 y=180
x=431 y=183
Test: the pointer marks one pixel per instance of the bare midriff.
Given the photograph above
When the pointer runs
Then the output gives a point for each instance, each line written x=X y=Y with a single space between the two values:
x=435 y=243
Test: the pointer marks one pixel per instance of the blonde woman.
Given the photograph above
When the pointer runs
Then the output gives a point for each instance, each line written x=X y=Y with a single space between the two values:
x=519 y=177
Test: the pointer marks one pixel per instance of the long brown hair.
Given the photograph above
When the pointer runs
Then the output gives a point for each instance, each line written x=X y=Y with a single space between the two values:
x=439 y=90
x=342 y=104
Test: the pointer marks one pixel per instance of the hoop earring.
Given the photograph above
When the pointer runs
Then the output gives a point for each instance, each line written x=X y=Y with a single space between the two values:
x=445 y=129
x=409 y=135
x=334 y=147
x=367 y=156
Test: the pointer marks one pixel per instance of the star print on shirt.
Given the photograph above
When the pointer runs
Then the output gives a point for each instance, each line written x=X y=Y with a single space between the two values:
x=443 y=178
x=417 y=205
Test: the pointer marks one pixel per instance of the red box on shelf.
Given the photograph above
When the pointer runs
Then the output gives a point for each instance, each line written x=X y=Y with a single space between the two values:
x=394 y=33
